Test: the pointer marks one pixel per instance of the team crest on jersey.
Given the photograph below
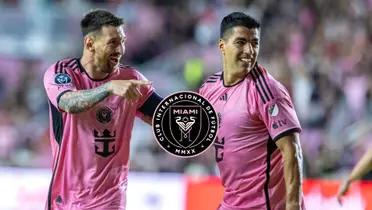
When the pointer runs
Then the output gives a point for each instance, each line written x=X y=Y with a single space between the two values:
x=185 y=124
x=274 y=110
x=62 y=79
x=104 y=115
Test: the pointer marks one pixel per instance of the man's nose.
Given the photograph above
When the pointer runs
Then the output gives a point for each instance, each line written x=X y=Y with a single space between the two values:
x=248 y=49
x=120 y=49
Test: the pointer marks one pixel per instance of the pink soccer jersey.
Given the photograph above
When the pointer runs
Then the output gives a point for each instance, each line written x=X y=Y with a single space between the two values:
x=90 y=149
x=253 y=114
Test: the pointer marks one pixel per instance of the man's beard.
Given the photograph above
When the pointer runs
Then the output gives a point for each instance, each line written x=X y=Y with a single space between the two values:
x=108 y=68
x=105 y=65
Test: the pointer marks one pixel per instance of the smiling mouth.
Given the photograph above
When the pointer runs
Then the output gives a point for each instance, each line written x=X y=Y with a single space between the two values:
x=248 y=61
x=114 y=59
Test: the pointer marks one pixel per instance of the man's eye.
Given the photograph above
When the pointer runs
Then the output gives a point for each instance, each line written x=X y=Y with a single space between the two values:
x=113 y=42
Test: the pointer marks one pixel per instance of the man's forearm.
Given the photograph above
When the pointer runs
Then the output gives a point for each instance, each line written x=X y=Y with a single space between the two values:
x=362 y=167
x=293 y=179
x=82 y=100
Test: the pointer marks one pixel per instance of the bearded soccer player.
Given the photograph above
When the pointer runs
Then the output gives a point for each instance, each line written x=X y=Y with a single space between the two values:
x=257 y=149
x=93 y=103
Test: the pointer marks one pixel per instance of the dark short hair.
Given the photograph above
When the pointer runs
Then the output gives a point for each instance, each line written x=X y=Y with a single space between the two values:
x=237 y=19
x=96 y=19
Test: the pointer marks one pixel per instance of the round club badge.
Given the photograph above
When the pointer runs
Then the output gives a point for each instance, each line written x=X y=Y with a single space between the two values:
x=62 y=78
x=104 y=115
x=185 y=124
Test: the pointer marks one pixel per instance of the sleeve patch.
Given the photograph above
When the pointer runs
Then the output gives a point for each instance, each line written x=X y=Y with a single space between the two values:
x=62 y=78
x=274 y=110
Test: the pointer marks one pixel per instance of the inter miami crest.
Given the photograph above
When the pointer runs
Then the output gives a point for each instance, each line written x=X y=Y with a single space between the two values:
x=185 y=124
x=104 y=115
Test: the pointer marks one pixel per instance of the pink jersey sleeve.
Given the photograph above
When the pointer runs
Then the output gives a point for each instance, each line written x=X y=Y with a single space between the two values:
x=146 y=91
x=278 y=112
x=56 y=82
x=203 y=90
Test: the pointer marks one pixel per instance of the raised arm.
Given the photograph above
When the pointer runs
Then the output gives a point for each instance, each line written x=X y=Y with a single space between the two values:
x=82 y=100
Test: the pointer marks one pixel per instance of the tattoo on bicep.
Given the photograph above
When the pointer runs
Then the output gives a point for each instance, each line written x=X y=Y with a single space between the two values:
x=80 y=101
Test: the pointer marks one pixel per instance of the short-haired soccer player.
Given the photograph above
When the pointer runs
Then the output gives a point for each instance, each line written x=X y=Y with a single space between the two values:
x=257 y=149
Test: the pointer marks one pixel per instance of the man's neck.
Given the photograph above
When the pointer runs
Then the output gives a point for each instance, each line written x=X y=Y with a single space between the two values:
x=230 y=79
x=92 y=70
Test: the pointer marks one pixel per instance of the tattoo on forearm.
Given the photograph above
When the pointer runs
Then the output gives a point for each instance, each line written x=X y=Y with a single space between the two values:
x=80 y=101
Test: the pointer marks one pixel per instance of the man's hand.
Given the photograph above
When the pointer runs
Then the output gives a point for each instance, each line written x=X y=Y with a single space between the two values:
x=344 y=187
x=360 y=169
x=127 y=88
x=82 y=100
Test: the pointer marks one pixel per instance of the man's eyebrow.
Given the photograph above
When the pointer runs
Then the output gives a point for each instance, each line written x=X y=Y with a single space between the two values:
x=240 y=39
x=117 y=38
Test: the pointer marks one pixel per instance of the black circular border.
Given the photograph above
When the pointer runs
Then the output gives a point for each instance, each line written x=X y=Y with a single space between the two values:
x=206 y=104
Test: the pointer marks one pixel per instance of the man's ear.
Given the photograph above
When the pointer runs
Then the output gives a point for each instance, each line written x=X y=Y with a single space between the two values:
x=221 y=45
x=89 y=43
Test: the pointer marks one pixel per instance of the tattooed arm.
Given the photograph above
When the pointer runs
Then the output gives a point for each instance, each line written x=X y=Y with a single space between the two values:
x=82 y=100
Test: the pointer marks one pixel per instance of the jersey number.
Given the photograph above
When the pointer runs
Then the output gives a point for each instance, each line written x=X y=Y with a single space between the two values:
x=218 y=145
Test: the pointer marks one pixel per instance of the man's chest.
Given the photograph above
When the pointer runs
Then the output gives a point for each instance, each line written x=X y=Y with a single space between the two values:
x=235 y=110
x=113 y=111
x=239 y=120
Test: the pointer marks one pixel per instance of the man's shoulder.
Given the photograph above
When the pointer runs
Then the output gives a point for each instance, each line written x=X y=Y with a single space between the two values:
x=123 y=67
x=212 y=80
x=64 y=66
x=259 y=73
x=128 y=71
x=268 y=87
x=209 y=84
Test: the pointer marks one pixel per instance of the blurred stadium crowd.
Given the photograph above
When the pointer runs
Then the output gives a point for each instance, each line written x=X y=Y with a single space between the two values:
x=320 y=50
